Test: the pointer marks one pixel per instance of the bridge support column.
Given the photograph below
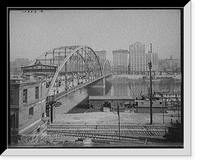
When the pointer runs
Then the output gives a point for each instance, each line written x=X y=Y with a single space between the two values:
x=104 y=82
x=104 y=90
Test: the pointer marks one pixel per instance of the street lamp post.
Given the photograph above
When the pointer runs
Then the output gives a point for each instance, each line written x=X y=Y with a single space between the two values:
x=151 y=118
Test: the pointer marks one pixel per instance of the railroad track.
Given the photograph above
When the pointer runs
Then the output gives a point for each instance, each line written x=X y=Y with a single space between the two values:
x=109 y=132
x=63 y=136
x=135 y=127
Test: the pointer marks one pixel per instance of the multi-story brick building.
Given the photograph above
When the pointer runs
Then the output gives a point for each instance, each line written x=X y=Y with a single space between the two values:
x=153 y=57
x=27 y=105
x=137 y=58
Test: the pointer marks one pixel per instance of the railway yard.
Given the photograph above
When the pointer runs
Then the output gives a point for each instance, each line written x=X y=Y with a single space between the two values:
x=100 y=129
x=107 y=133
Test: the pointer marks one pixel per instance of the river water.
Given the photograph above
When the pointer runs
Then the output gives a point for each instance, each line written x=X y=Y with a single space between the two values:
x=77 y=102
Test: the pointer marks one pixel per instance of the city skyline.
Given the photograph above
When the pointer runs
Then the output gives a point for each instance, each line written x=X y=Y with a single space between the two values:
x=32 y=34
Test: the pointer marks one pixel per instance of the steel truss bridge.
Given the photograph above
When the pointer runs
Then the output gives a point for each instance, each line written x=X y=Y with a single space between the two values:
x=68 y=68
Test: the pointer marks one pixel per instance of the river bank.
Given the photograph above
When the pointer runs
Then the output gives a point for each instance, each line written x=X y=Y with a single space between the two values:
x=146 y=77
x=134 y=77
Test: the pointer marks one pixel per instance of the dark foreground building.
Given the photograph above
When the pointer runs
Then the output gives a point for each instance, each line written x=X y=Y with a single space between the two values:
x=27 y=106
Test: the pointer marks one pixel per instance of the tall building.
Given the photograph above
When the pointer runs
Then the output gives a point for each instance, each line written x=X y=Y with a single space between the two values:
x=120 y=61
x=137 y=58
x=153 y=57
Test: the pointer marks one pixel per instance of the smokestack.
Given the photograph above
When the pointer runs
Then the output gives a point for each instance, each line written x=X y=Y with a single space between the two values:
x=150 y=47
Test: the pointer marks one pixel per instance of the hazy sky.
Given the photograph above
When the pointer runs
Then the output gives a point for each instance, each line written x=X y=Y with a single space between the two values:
x=32 y=34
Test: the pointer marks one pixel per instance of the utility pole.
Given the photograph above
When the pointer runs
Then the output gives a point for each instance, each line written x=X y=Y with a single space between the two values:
x=118 y=119
x=51 y=110
x=163 y=109
x=51 y=103
x=151 y=118
x=177 y=103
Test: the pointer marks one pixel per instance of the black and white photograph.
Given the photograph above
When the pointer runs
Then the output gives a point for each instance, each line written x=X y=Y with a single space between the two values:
x=97 y=78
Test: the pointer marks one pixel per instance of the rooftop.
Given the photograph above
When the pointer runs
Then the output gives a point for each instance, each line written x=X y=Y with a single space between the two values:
x=120 y=51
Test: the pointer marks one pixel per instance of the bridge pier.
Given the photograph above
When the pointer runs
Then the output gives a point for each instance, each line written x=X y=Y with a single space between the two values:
x=104 y=82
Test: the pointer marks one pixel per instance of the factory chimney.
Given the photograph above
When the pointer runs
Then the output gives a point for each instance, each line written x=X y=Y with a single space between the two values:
x=150 y=47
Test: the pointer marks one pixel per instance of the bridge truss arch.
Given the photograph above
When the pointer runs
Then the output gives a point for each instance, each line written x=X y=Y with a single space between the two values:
x=74 y=65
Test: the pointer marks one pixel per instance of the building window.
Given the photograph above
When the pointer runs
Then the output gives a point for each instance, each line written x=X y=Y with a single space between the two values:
x=12 y=121
x=11 y=96
x=25 y=96
x=36 y=92
x=31 y=111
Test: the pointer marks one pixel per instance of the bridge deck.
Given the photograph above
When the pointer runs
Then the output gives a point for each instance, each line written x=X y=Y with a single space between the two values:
x=66 y=92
